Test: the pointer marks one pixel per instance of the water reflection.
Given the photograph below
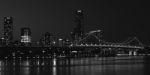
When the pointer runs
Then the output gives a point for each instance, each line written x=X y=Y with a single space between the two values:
x=54 y=62
x=87 y=66
x=54 y=71
x=25 y=70
x=38 y=70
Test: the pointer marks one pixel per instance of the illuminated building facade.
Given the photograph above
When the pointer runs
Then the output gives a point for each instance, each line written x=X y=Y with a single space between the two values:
x=8 y=30
x=25 y=36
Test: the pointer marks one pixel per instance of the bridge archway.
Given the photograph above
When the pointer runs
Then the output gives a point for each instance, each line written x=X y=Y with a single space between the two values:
x=93 y=37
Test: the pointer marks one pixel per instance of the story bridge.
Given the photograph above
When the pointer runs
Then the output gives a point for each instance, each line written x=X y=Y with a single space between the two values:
x=132 y=45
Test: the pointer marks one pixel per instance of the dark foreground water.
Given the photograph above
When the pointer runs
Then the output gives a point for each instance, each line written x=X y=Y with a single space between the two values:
x=84 y=66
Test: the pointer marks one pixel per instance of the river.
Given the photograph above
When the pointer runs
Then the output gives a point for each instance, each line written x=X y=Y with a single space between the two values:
x=135 y=65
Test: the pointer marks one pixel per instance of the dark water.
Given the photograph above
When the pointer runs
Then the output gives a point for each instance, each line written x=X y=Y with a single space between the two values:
x=84 y=66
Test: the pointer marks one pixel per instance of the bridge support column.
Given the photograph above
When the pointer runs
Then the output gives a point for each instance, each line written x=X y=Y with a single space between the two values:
x=133 y=53
x=130 y=53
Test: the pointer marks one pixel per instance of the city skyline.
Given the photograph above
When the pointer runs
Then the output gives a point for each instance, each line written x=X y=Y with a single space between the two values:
x=117 y=23
x=74 y=37
x=78 y=36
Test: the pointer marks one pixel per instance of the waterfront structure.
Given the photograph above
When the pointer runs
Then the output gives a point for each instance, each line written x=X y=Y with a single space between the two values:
x=78 y=31
x=25 y=36
x=8 y=30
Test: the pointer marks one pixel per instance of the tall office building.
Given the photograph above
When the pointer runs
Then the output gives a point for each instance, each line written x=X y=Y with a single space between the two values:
x=25 y=36
x=8 y=30
x=78 y=31
x=47 y=39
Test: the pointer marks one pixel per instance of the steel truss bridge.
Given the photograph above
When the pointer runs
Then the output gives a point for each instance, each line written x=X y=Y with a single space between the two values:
x=92 y=39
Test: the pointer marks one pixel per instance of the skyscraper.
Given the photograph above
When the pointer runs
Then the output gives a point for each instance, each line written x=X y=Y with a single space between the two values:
x=47 y=40
x=25 y=36
x=78 y=31
x=8 y=30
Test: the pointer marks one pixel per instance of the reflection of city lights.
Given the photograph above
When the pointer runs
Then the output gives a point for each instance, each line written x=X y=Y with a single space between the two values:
x=26 y=70
x=54 y=62
x=38 y=62
x=43 y=64
x=0 y=63
x=38 y=70
x=54 y=71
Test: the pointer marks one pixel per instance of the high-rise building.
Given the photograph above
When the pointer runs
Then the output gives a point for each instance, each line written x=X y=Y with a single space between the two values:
x=78 y=31
x=47 y=39
x=8 y=30
x=25 y=36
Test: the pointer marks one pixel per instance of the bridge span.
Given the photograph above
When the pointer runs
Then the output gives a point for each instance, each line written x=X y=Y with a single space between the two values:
x=109 y=46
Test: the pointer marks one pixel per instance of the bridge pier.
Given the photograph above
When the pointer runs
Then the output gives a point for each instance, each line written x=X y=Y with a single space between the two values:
x=133 y=53
x=130 y=53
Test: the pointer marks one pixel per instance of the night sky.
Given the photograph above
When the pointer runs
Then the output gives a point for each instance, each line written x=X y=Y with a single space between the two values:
x=118 y=20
